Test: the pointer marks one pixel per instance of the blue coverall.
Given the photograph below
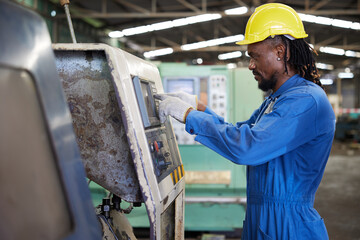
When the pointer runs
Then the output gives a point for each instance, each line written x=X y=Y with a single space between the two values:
x=285 y=145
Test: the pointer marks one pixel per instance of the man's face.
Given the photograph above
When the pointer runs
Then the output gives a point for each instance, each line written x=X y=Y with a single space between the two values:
x=264 y=64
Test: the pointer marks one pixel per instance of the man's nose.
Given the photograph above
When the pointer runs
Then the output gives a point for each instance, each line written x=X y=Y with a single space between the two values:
x=251 y=65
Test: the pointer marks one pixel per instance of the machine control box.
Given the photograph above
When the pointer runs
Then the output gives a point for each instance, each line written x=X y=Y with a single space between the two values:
x=162 y=144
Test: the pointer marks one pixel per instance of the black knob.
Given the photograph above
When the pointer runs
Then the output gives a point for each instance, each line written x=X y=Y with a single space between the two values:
x=162 y=164
x=116 y=202
x=105 y=207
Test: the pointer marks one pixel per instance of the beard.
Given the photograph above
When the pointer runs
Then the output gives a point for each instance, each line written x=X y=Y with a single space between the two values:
x=266 y=84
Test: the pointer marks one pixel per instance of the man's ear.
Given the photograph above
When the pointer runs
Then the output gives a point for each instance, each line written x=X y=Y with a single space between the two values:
x=280 y=51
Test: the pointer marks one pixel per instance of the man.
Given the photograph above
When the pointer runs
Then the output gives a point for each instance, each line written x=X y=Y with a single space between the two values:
x=286 y=142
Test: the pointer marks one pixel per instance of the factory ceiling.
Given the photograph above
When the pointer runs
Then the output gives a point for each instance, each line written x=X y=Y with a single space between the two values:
x=117 y=15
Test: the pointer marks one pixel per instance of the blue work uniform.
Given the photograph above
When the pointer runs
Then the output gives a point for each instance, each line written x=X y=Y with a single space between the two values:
x=285 y=145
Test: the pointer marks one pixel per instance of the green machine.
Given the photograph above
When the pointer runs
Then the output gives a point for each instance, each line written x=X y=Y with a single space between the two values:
x=215 y=190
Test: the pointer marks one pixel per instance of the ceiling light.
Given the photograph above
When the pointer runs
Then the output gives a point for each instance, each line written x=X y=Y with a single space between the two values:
x=345 y=75
x=159 y=52
x=323 y=20
x=236 y=11
x=165 y=25
x=331 y=50
x=341 y=23
x=137 y=30
x=53 y=13
x=199 y=61
x=325 y=66
x=116 y=34
x=326 y=81
x=355 y=26
x=212 y=42
x=349 y=53
x=329 y=21
x=229 y=55
x=162 y=25
x=203 y=18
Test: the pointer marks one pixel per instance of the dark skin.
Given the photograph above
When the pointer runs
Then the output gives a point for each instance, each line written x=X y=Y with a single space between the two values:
x=267 y=69
x=265 y=65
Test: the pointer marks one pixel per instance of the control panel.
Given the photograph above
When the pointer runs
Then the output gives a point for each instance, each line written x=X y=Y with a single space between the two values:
x=161 y=141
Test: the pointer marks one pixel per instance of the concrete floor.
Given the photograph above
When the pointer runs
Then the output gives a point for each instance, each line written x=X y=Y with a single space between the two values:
x=338 y=196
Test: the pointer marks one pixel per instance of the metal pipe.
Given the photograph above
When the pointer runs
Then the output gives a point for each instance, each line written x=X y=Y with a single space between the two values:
x=65 y=4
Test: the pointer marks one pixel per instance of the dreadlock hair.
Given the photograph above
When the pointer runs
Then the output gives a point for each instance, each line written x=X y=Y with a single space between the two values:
x=301 y=58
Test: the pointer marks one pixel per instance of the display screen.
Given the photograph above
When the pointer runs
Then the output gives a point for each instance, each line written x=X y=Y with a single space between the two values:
x=148 y=99
x=144 y=93
x=180 y=84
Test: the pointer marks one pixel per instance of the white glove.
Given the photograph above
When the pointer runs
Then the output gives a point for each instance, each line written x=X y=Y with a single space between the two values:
x=173 y=107
x=188 y=98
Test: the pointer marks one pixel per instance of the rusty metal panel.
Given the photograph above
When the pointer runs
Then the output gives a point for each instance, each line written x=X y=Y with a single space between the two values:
x=97 y=121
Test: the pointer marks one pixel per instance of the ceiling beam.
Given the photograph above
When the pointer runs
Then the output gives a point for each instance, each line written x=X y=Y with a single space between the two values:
x=241 y=3
x=133 y=6
x=189 y=5
x=167 y=42
x=204 y=5
x=329 y=40
x=153 y=6
x=226 y=31
x=104 y=6
x=319 y=5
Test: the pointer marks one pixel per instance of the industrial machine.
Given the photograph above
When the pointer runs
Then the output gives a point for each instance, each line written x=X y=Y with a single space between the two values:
x=124 y=147
x=76 y=110
x=44 y=194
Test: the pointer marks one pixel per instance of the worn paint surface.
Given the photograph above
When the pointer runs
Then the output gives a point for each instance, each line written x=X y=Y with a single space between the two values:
x=97 y=122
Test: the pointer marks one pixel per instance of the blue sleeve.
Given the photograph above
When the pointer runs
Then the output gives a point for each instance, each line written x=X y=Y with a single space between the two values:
x=289 y=125
x=220 y=119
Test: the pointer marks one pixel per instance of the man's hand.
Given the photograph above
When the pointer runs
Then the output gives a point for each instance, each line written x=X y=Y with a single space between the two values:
x=174 y=107
x=188 y=98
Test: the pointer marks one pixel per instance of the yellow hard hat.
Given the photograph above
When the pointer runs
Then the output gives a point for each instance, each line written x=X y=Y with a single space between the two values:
x=273 y=19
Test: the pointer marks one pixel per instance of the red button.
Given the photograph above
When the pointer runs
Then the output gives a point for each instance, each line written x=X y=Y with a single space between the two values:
x=156 y=146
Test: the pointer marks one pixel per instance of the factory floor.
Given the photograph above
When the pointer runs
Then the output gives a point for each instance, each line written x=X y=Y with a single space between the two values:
x=338 y=196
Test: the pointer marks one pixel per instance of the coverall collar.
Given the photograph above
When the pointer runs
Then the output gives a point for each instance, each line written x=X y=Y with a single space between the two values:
x=286 y=85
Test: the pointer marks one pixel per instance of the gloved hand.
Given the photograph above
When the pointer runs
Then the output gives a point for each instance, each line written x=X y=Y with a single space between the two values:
x=174 y=107
x=188 y=98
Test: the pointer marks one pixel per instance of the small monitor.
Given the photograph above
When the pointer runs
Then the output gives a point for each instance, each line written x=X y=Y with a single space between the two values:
x=145 y=91
x=189 y=85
